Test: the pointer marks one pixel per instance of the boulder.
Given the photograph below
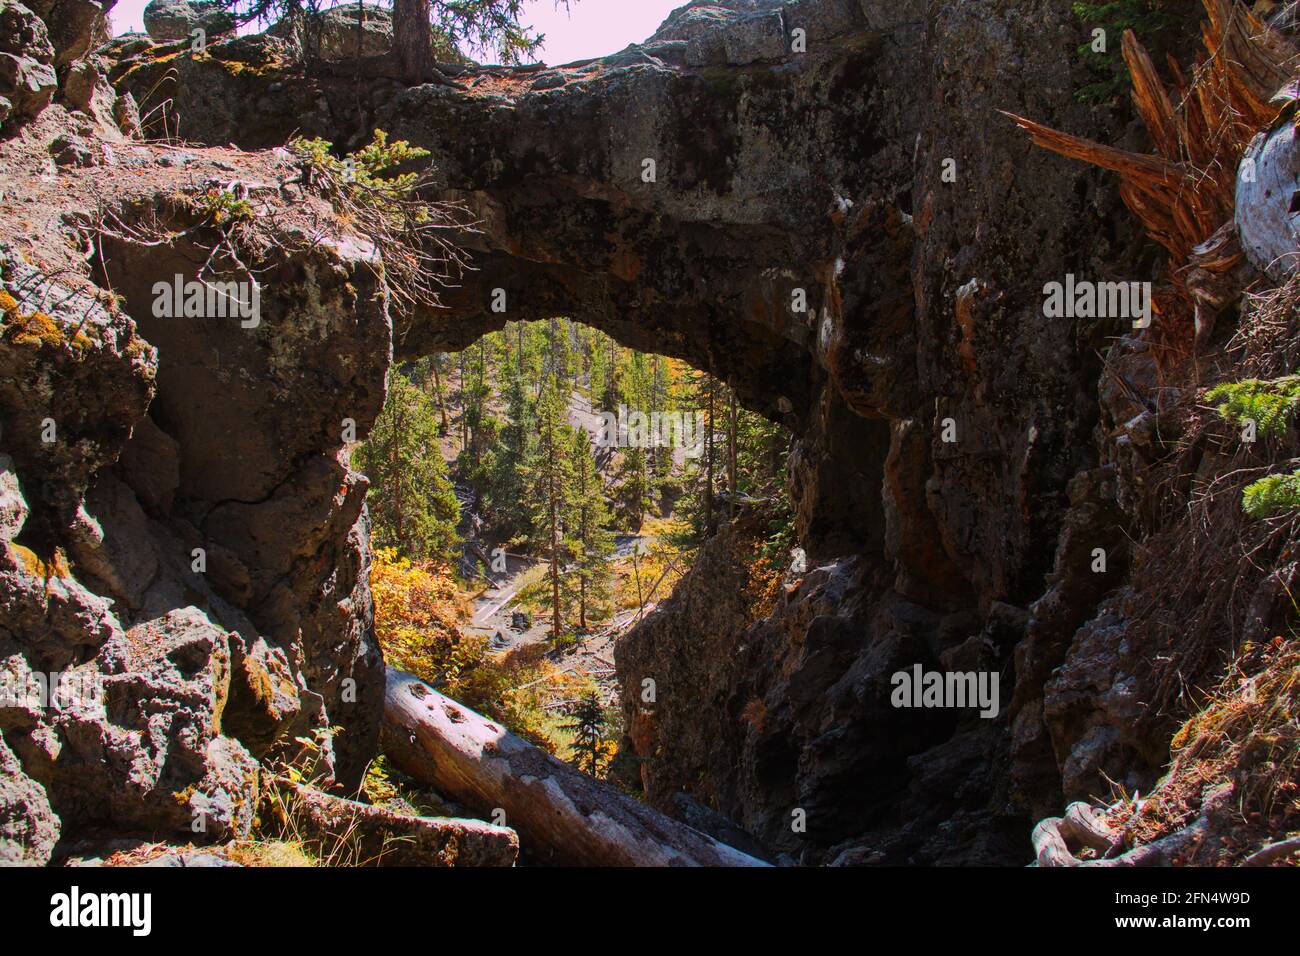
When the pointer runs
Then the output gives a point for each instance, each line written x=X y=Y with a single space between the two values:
x=13 y=506
x=87 y=89
x=28 y=827
x=166 y=683
x=68 y=149
x=344 y=36
x=126 y=114
x=264 y=695
x=76 y=26
x=335 y=34
x=111 y=544
x=151 y=464
x=170 y=20
x=27 y=77
x=60 y=345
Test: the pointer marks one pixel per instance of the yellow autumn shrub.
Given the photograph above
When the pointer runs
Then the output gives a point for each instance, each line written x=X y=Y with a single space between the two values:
x=418 y=616
x=418 y=613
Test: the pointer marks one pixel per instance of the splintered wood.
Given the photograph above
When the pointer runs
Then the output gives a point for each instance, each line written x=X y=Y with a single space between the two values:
x=1183 y=194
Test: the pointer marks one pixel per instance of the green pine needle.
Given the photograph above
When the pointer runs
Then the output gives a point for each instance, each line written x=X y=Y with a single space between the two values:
x=1273 y=495
x=1269 y=404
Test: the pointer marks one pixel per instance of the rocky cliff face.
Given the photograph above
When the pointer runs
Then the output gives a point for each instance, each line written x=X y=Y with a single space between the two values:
x=682 y=195
x=183 y=573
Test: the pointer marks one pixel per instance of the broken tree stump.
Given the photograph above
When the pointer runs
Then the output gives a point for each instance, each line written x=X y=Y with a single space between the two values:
x=561 y=815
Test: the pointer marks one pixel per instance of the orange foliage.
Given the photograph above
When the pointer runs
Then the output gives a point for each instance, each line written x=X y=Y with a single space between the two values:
x=418 y=612
x=418 y=617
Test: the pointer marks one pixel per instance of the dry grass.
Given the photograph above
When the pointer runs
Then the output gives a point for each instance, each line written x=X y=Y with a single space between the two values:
x=284 y=821
x=1266 y=344
x=1203 y=570
x=270 y=853
x=1249 y=731
x=1247 y=735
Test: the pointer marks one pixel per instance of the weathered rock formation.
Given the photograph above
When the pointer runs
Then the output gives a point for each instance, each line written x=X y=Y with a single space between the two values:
x=682 y=195
x=27 y=79
x=187 y=548
x=183 y=571
x=169 y=20
x=350 y=32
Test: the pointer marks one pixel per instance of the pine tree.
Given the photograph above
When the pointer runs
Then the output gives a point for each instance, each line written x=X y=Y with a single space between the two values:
x=413 y=506
x=612 y=394
x=550 y=481
x=592 y=542
x=1270 y=404
x=697 y=504
x=634 y=488
x=507 y=491
x=1156 y=22
x=478 y=391
x=1272 y=495
x=435 y=365
x=588 y=725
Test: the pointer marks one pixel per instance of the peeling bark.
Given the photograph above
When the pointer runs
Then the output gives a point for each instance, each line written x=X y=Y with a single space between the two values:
x=561 y=814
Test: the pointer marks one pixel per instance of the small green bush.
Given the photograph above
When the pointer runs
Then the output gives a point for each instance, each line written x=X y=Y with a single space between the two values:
x=366 y=173
x=222 y=206
x=1273 y=495
x=1270 y=404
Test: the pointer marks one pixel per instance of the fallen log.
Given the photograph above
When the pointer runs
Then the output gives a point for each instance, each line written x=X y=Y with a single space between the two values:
x=357 y=834
x=561 y=815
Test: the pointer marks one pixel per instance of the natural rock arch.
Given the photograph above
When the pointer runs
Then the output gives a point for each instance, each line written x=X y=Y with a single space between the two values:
x=762 y=169
x=775 y=171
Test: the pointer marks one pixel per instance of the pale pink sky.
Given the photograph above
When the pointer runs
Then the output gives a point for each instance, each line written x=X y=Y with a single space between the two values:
x=590 y=28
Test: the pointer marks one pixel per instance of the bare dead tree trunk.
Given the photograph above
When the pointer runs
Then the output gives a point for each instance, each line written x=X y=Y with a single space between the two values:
x=708 y=464
x=559 y=813
x=442 y=401
x=731 y=456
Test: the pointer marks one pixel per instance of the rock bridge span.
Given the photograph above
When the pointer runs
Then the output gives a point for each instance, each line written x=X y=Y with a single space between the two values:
x=769 y=168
